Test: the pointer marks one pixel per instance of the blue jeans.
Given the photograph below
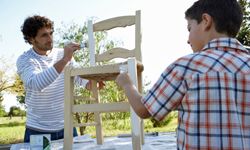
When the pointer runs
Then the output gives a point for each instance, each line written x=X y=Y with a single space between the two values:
x=54 y=135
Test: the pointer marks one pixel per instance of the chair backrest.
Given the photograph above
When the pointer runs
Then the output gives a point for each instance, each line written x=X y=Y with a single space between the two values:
x=117 y=52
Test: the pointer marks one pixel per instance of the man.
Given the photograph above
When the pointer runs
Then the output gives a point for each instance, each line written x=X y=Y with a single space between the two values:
x=41 y=70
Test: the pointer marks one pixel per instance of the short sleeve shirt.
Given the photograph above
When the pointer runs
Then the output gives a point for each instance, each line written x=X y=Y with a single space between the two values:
x=211 y=91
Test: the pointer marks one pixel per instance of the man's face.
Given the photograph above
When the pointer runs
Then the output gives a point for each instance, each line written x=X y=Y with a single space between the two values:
x=195 y=39
x=43 y=41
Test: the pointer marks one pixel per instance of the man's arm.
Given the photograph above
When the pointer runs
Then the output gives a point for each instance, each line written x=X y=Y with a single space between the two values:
x=133 y=95
x=68 y=53
x=32 y=76
x=37 y=79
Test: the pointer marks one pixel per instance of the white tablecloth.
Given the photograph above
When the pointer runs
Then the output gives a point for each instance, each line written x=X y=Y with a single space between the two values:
x=161 y=142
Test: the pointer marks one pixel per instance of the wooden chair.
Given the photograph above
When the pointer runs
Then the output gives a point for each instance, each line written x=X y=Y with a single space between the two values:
x=108 y=72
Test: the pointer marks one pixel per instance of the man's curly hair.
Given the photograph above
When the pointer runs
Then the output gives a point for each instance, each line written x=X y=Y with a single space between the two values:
x=32 y=24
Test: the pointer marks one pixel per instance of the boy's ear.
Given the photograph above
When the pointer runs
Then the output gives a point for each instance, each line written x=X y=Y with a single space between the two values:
x=207 y=21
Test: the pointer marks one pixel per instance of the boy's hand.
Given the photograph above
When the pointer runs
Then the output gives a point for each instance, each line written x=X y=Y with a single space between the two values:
x=123 y=80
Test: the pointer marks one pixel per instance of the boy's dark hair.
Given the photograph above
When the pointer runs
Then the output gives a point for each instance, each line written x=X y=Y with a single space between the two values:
x=226 y=14
x=32 y=24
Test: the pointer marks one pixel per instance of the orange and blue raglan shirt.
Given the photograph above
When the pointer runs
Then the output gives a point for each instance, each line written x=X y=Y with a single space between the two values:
x=211 y=91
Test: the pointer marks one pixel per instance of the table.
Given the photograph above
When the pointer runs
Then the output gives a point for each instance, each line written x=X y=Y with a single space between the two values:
x=161 y=142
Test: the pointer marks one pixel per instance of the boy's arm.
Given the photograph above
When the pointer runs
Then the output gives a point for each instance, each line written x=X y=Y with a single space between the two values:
x=134 y=97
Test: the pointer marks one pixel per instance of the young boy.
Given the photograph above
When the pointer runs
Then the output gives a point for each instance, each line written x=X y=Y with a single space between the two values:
x=210 y=88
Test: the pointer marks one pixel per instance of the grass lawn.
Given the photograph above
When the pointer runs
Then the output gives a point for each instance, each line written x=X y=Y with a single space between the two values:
x=10 y=135
x=12 y=131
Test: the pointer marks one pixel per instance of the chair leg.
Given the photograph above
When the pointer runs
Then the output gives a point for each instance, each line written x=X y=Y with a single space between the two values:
x=98 y=119
x=140 y=85
x=68 y=103
x=99 y=134
x=142 y=132
x=136 y=131
x=135 y=120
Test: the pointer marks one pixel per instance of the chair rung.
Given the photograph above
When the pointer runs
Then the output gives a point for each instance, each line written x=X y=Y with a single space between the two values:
x=102 y=107
x=85 y=124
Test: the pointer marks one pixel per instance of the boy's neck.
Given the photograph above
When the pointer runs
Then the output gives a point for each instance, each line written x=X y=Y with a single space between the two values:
x=216 y=35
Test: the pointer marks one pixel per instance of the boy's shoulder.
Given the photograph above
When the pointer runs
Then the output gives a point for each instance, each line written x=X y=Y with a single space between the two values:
x=191 y=61
x=188 y=57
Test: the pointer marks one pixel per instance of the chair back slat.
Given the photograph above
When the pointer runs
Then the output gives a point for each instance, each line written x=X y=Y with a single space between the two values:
x=111 y=23
x=116 y=52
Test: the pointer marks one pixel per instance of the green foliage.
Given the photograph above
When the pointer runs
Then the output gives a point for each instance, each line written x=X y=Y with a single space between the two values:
x=111 y=92
x=5 y=77
x=6 y=120
x=244 y=33
x=74 y=33
x=18 y=87
x=2 y=111
x=121 y=126
x=13 y=124
x=16 y=111
x=6 y=83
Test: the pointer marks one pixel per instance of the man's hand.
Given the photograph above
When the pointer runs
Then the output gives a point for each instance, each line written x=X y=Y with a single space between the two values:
x=100 y=85
x=69 y=49
x=68 y=53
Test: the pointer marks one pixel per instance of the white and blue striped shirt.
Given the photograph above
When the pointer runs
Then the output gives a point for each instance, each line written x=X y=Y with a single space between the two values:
x=44 y=88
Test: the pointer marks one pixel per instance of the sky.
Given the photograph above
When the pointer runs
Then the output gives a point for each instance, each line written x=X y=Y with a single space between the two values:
x=164 y=28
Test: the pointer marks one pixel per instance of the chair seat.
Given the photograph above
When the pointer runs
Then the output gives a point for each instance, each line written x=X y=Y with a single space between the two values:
x=102 y=72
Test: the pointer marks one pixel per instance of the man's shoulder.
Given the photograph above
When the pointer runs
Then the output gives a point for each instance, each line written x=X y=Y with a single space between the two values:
x=25 y=55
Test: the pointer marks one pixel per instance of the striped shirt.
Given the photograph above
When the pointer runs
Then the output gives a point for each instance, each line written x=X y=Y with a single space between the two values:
x=44 y=88
x=211 y=91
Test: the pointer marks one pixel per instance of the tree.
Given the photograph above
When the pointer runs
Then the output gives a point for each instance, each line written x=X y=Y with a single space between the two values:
x=16 y=111
x=6 y=81
x=5 y=78
x=9 y=83
x=2 y=110
x=244 y=33
x=18 y=89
